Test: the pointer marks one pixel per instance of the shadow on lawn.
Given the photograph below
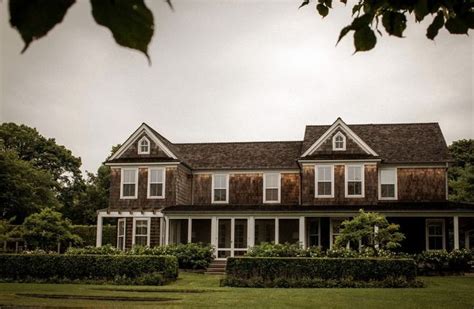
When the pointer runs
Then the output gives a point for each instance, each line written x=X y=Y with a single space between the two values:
x=103 y=298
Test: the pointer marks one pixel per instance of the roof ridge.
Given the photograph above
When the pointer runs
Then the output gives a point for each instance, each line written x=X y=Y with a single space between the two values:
x=247 y=142
x=376 y=124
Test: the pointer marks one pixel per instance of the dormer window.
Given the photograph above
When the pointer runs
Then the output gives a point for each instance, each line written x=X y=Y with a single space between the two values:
x=144 y=146
x=339 y=142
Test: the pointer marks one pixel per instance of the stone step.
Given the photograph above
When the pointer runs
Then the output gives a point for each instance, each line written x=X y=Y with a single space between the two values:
x=216 y=269
x=214 y=273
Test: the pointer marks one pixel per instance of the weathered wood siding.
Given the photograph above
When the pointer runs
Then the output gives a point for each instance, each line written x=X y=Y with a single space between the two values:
x=351 y=146
x=183 y=186
x=132 y=151
x=421 y=184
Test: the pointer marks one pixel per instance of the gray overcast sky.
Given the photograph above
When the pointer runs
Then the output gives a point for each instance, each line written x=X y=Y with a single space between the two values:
x=229 y=71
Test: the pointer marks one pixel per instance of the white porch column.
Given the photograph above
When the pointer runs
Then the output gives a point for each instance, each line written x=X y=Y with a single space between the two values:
x=214 y=232
x=302 y=238
x=99 y=230
x=251 y=232
x=277 y=231
x=456 y=232
x=190 y=228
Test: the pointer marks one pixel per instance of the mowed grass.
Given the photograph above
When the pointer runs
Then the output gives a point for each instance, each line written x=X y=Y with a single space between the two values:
x=197 y=290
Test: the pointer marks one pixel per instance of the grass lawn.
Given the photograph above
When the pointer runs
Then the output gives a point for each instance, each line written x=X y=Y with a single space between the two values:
x=197 y=290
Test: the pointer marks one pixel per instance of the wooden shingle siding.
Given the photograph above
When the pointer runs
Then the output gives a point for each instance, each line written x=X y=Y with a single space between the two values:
x=183 y=186
x=155 y=232
x=290 y=188
x=128 y=232
x=132 y=151
x=245 y=189
x=142 y=202
x=202 y=187
x=421 y=184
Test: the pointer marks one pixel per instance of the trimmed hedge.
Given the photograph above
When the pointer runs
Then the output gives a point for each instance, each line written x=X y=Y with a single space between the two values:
x=320 y=272
x=85 y=267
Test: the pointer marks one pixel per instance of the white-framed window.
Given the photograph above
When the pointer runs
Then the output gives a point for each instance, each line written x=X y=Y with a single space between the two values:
x=144 y=146
x=271 y=187
x=339 y=142
x=324 y=181
x=435 y=234
x=141 y=231
x=388 y=184
x=220 y=188
x=121 y=230
x=129 y=183
x=156 y=183
x=354 y=176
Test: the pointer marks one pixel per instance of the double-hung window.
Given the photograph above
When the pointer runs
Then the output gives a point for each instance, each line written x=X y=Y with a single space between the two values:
x=324 y=181
x=388 y=184
x=220 y=188
x=435 y=234
x=354 y=181
x=156 y=183
x=141 y=231
x=271 y=187
x=129 y=186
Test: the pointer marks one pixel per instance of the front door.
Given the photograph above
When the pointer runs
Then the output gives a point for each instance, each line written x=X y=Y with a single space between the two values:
x=232 y=237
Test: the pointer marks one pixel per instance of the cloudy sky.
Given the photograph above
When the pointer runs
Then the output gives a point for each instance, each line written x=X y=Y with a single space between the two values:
x=229 y=71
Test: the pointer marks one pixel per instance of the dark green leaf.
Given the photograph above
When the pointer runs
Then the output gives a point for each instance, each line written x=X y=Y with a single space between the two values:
x=306 y=2
x=469 y=19
x=456 y=26
x=130 y=21
x=437 y=24
x=364 y=39
x=343 y=33
x=328 y=3
x=34 y=19
x=344 y=1
x=362 y=21
x=421 y=9
x=394 y=23
x=356 y=8
x=322 y=9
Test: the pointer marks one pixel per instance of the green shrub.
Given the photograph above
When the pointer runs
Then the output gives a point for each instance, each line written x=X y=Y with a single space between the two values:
x=190 y=256
x=86 y=267
x=441 y=261
x=294 y=272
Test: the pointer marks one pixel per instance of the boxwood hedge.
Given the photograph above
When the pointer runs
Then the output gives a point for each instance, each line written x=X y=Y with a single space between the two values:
x=271 y=271
x=85 y=267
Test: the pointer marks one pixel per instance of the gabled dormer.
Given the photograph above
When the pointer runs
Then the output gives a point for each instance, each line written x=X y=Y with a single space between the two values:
x=337 y=141
x=145 y=143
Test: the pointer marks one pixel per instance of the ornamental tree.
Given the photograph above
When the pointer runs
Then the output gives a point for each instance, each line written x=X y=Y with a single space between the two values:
x=372 y=230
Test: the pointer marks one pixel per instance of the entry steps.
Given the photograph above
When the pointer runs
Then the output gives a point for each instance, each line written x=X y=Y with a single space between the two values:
x=217 y=267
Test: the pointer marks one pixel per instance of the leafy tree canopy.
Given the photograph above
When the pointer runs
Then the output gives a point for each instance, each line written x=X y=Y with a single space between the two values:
x=24 y=189
x=372 y=230
x=462 y=152
x=132 y=23
x=46 y=229
x=461 y=172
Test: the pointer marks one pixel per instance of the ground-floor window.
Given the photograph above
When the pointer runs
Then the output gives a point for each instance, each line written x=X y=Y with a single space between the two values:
x=435 y=234
x=121 y=234
x=335 y=229
x=313 y=232
x=264 y=231
x=141 y=231
x=288 y=231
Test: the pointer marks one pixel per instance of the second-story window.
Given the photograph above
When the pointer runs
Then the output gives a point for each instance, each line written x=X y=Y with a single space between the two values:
x=354 y=181
x=388 y=183
x=144 y=146
x=220 y=188
x=156 y=183
x=324 y=181
x=271 y=188
x=128 y=188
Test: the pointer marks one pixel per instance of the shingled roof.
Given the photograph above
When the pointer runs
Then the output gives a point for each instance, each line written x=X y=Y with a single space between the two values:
x=395 y=143
x=250 y=155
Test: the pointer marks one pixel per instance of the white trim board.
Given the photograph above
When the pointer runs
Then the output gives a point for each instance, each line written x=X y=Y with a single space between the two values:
x=342 y=126
x=143 y=129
